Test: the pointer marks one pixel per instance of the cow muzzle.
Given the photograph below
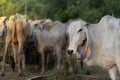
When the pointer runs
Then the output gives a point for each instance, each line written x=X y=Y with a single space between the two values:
x=70 y=52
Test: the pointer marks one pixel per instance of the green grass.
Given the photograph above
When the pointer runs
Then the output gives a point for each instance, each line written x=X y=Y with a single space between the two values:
x=60 y=74
x=64 y=73
x=57 y=74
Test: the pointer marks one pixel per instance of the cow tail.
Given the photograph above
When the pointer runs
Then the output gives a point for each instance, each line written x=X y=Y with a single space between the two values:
x=13 y=36
x=14 y=31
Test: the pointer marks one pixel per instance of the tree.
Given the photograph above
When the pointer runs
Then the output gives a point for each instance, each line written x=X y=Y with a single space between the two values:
x=62 y=10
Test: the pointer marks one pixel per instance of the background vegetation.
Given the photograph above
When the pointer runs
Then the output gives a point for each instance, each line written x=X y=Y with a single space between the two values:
x=63 y=10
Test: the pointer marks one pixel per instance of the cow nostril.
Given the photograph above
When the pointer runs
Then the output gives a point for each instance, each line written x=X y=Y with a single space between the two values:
x=70 y=51
x=79 y=58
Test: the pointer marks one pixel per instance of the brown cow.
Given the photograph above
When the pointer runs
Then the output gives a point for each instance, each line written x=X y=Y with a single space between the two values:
x=3 y=27
x=17 y=33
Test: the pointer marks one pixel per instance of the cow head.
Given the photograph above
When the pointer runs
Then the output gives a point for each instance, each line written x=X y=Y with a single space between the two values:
x=4 y=30
x=77 y=35
x=34 y=36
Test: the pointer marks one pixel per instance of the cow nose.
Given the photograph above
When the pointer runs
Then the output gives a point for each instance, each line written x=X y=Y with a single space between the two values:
x=79 y=58
x=70 y=51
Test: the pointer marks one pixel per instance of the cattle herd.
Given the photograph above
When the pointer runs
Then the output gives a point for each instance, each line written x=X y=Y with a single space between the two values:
x=96 y=44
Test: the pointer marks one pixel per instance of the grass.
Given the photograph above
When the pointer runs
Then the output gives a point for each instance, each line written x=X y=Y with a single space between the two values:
x=67 y=72
x=56 y=74
x=60 y=74
x=64 y=73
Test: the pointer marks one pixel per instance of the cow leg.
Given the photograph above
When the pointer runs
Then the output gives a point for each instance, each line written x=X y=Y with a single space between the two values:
x=43 y=61
x=8 y=40
x=23 y=61
x=118 y=64
x=58 y=53
x=113 y=73
x=47 y=61
x=15 y=49
x=20 y=50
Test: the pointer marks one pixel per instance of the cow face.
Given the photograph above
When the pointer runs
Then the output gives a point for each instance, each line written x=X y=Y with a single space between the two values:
x=4 y=28
x=34 y=36
x=76 y=33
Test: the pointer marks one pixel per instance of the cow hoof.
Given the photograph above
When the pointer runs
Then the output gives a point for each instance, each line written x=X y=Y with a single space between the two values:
x=58 y=67
x=21 y=75
x=42 y=72
x=2 y=74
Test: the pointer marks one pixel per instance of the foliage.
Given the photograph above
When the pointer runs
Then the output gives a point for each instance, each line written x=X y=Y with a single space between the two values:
x=60 y=74
x=62 y=10
x=63 y=73
x=70 y=60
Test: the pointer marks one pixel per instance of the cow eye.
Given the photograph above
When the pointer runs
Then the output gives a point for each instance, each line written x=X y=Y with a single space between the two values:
x=79 y=30
x=36 y=24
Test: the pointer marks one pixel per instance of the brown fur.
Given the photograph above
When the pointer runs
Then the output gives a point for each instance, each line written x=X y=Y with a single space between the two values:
x=17 y=34
x=3 y=28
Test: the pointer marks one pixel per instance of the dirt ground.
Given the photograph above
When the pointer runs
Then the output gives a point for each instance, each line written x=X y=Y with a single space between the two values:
x=10 y=75
x=32 y=71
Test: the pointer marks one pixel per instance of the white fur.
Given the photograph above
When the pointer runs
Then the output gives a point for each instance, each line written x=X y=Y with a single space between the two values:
x=53 y=40
x=103 y=41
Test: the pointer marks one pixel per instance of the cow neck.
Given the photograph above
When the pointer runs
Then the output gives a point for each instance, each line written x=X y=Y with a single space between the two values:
x=86 y=49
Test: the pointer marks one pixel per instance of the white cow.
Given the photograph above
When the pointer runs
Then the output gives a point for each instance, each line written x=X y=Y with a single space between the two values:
x=100 y=43
x=43 y=23
x=50 y=40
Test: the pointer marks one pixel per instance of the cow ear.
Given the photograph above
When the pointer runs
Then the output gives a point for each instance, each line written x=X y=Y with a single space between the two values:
x=3 y=22
x=87 y=24
x=42 y=21
x=40 y=29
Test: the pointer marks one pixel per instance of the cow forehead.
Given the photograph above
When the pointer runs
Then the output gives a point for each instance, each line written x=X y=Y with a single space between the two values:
x=75 y=26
